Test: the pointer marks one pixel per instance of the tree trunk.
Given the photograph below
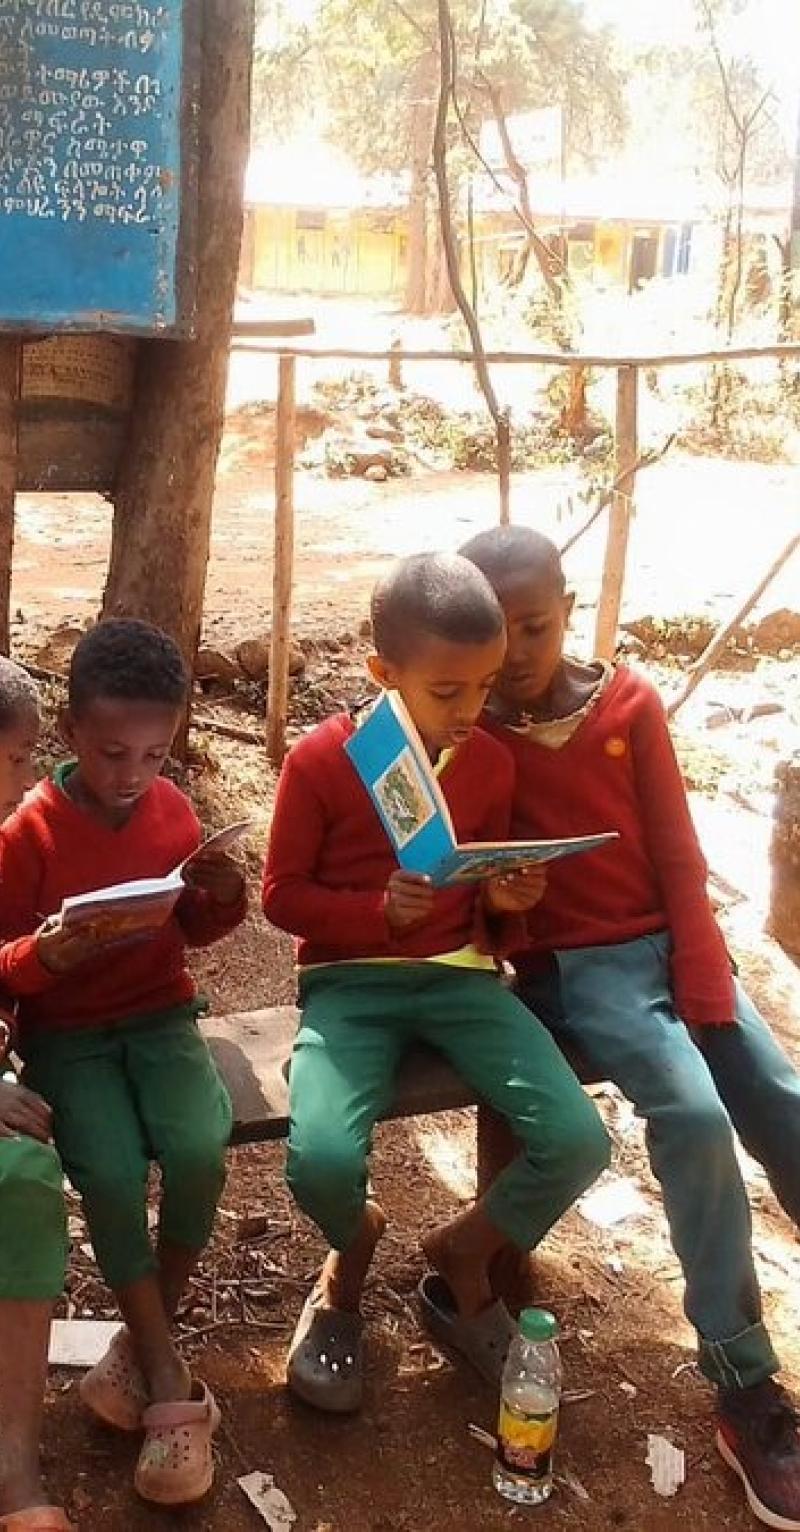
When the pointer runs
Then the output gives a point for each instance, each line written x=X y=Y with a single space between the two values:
x=163 y=499
x=573 y=415
x=424 y=111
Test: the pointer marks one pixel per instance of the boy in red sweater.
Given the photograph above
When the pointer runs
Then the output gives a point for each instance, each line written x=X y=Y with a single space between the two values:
x=386 y=959
x=625 y=961
x=33 y=1245
x=108 y=1036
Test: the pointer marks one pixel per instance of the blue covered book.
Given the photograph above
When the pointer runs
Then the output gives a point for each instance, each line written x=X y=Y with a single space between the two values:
x=393 y=764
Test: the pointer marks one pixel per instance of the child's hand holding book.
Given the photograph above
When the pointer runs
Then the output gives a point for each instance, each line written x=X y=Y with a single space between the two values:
x=409 y=899
x=217 y=874
x=61 y=950
x=512 y=893
x=21 y=1111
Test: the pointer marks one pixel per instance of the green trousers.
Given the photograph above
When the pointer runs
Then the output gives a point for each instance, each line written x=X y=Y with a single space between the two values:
x=358 y=1020
x=33 y=1242
x=126 y=1095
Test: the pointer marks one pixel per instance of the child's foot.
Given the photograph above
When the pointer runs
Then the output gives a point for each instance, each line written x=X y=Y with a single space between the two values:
x=115 y=1389
x=344 y=1272
x=176 y=1463
x=325 y=1362
x=757 y=1435
x=452 y=1251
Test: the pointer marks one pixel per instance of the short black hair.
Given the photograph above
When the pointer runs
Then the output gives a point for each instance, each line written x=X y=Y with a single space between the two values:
x=505 y=552
x=128 y=660
x=433 y=595
x=18 y=694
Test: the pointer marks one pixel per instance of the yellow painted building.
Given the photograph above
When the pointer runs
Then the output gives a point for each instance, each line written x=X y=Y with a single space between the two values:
x=325 y=251
x=314 y=224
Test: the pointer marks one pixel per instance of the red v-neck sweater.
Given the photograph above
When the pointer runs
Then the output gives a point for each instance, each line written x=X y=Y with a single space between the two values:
x=329 y=858
x=618 y=771
x=50 y=848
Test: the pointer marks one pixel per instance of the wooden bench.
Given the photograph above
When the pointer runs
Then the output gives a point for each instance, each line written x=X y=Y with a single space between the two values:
x=253 y=1048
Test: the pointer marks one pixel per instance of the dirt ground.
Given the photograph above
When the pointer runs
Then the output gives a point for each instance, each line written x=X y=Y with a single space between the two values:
x=408 y=1463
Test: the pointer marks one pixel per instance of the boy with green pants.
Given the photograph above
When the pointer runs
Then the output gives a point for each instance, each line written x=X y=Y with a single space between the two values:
x=385 y=960
x=33 y=1244
x=108 y=1032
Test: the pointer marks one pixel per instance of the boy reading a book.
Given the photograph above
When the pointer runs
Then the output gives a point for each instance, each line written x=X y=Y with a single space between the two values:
x=33 y=1244
x=386 y=959
x=624 y=960
x=108 y=1034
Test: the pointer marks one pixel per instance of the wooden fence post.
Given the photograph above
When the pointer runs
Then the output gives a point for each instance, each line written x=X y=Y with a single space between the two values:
x=283 y=563
x=608 y=606
x=396 y=364
x=10 y=365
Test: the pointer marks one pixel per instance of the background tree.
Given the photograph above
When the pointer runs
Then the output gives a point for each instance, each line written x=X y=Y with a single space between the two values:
x=375 y=69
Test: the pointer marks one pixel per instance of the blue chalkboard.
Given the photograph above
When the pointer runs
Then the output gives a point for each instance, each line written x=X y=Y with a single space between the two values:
x=93 y=175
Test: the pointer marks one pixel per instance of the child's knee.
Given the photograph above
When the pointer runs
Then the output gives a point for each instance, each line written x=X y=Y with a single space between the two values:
x=113 y=1194
x=580 y=1144
x=34 y=1172
x=33 y=1219
x=32 y=1186
x=591 y=1144
x=194 y=1163
x=703 y=1126
x=325 y=1172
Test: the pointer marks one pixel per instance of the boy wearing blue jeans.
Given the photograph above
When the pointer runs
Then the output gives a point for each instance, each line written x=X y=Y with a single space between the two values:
x=386 y=959
x=625 y=961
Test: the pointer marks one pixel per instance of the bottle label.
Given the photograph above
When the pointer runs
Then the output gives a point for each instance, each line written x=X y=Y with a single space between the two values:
x=525 y=1442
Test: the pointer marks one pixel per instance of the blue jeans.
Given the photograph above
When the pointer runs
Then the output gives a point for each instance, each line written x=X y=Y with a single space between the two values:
x=692 y=1087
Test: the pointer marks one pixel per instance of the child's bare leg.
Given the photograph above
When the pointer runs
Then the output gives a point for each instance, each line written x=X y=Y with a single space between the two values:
x=175 y=1266
x=24 y=1334
x=344 y=1272
x=166 y=1374
x=462 y=1252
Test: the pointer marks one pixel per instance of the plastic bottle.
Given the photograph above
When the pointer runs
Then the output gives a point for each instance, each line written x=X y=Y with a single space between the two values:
x=529 y=1401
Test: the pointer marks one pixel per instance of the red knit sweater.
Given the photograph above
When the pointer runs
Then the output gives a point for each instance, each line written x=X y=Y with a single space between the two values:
x=329 y=858
x=618 y=772
x=50 y=848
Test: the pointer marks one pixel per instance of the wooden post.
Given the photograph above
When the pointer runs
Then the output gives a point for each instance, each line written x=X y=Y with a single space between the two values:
x=396 y=364
x=784 y=907
x=503 y=427
x=10 y=363
x=283 y=563
x=704 y=661
x=608 y=607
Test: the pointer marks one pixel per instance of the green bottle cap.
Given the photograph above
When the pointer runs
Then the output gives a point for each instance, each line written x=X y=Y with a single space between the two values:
x=538 y=1325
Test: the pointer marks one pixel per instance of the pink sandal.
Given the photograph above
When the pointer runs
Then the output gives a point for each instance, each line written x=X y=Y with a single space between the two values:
x=39 y=1518
x=176 y=1464
x=114 y=1390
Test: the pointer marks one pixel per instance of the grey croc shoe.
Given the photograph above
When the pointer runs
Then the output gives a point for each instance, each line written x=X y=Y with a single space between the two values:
x=483 y=1340
x=325 y=1361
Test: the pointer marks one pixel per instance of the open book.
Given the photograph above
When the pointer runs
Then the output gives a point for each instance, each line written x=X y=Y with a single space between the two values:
x=128 y=910
x=393 y=764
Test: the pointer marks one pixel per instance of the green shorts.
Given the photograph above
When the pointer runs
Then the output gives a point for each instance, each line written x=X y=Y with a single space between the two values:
x=33 y=1246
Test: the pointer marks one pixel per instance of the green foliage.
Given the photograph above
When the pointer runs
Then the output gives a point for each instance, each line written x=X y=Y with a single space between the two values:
x=372 y=66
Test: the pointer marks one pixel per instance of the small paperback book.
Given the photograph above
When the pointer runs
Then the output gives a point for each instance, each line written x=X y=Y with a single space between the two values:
x=128 y=911
x=393 y=764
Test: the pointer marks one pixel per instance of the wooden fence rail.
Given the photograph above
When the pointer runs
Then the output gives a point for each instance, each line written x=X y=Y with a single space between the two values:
x=248 y=336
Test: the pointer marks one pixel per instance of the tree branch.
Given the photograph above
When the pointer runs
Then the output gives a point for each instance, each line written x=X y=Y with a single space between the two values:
x=446 y=88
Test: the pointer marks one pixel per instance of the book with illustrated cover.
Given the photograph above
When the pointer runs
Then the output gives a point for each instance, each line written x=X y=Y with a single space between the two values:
x=393 y=764
x=127 y=911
